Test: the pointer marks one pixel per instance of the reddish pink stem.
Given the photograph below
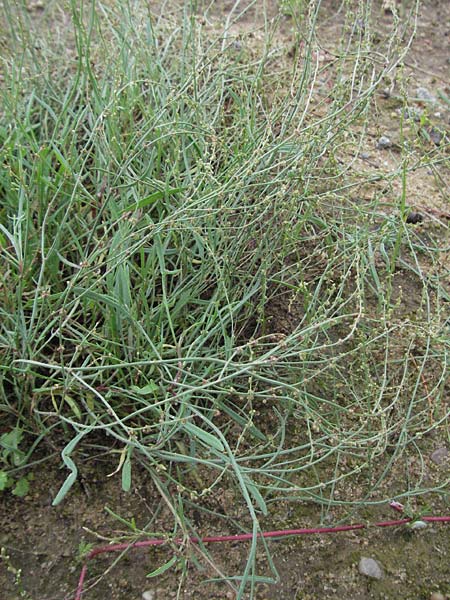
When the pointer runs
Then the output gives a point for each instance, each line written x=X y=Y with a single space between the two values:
x=241 y=538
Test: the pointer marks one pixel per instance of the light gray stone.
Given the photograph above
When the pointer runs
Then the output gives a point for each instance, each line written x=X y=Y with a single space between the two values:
x=383 y=143
x=440 y=455
x=425 y=95
x=437 y=596
x=149 y=595
x=370 y=568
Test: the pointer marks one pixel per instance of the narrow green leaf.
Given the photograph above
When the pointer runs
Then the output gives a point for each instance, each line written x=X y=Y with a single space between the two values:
x=101 y=298
x=163 y=568
x=131 y=524
x=9 y=235
x=126 y=474
x=70 y=480
x=372 y=267
x=150 y=388
x=255 y=578
x=73 y=405
x=204 y=436
x=256 y=495
x=152 y=198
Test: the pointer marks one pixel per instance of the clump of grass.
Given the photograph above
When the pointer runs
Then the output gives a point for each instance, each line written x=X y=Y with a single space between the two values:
x=162 y=188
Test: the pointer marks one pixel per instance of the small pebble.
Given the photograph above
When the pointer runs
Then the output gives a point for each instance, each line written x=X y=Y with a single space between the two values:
x=425 y=95
x=364 y=155
x=414 y=217
x=440 y=455
x=414 y=114
x=149 y=595
x=419 y=525
x=37 y=5
x=371 y=568
x=436 y=136
x=437 y=596
x=383 y=143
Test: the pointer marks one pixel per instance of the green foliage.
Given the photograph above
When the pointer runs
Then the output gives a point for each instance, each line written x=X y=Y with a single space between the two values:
x=84 y=548
x=10 y=451
x=188 y=272
x=12 y=456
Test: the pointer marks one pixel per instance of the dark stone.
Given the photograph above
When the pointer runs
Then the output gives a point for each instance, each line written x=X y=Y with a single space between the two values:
x=436 y=136
x=414 y=217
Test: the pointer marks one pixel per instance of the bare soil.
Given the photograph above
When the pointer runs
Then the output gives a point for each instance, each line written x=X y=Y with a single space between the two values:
x=44 y=541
